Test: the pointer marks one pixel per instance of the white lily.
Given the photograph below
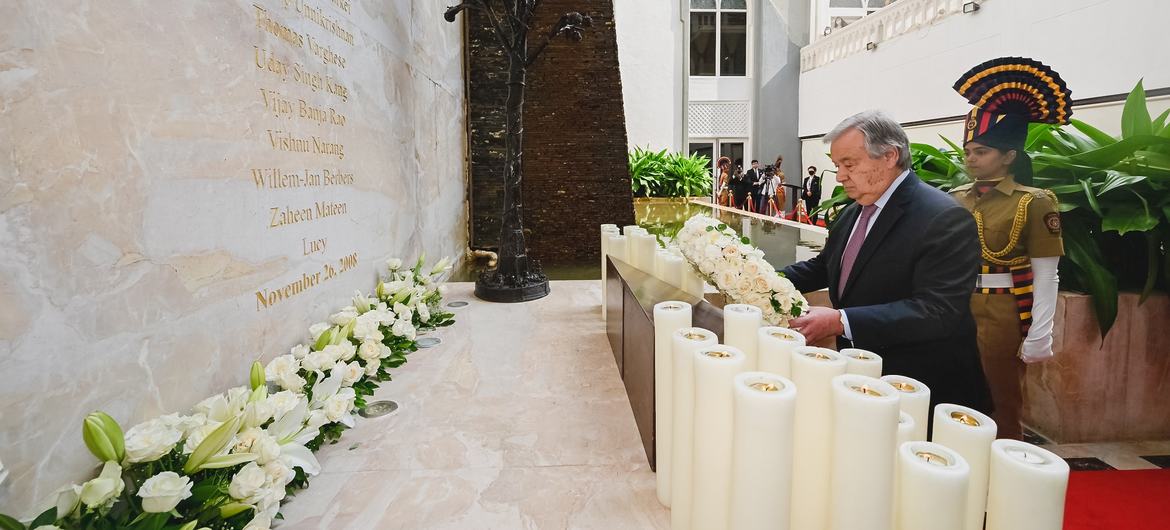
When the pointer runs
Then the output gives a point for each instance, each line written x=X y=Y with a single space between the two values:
x=292 y=433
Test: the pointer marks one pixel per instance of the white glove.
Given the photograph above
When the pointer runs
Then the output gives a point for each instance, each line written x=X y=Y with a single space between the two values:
x=1037 y=345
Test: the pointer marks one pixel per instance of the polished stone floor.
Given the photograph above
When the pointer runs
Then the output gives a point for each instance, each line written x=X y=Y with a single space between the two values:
x=517 y=420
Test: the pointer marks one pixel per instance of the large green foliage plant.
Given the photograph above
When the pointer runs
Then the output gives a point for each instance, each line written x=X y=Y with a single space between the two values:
x=663 y=174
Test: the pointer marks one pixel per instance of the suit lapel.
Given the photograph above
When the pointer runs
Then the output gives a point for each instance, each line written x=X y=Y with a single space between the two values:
x=886 y=220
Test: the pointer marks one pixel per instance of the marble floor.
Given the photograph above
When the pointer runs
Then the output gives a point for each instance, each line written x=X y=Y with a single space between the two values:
x=517 y=420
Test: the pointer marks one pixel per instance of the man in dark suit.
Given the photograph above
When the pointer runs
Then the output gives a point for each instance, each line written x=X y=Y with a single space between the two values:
x=900 y=265
x=755 y=178
x=741 y=187
x=812 y=192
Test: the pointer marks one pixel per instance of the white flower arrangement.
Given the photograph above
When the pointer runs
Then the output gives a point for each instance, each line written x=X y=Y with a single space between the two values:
x=230 y=462
x=738 y=269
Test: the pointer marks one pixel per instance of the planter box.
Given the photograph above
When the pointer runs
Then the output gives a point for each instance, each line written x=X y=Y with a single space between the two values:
x=1111 y=390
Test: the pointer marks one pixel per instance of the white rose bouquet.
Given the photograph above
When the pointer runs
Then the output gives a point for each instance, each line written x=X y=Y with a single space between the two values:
x=738 y=269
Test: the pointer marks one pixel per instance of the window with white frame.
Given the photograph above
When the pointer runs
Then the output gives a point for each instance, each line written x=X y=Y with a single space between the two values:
x=719 y=38
x=841 y=13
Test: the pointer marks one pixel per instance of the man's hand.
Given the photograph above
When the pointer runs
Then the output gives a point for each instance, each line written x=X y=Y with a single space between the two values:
x=820 y=322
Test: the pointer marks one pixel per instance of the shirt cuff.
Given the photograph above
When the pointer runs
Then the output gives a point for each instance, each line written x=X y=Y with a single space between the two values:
x=845 y=324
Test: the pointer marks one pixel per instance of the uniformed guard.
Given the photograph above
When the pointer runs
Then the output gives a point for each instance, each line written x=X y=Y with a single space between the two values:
x=1019 y=226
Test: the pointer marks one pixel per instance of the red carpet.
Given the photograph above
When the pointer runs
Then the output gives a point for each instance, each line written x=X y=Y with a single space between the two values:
x=1118 y=500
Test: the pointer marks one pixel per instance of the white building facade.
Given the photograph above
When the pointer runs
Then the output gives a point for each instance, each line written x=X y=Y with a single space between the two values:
x=716 y=77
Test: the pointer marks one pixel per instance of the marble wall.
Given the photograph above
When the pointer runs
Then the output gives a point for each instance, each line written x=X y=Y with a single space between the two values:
x=186 y=186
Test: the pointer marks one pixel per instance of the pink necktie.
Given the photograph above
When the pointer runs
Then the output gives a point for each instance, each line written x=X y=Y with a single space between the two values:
x=854 y=246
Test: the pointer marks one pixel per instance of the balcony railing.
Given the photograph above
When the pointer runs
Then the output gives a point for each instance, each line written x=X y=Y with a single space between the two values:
x=899 y=18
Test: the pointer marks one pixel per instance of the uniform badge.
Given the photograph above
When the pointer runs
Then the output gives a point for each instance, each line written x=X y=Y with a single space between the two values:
x=1052 y=221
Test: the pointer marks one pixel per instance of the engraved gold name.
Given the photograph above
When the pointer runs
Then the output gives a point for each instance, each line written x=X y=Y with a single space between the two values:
x=276 y=178
x=285 y=216
x=280 y=31
x=314 y=81
x=314 y=15
x=286 y=141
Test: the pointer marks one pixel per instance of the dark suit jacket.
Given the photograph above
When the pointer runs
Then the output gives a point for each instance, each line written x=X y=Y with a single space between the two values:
x=812 y=192
x=908 y=297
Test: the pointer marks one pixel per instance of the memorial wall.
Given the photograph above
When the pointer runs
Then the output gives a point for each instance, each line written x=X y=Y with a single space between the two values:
x=187 y=186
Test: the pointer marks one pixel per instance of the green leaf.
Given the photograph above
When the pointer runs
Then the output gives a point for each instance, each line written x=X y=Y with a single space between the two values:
x=46 y=517
x=953 y=145
x=1160 y=122
x=1135 y=117
x=1101 y=284
x=1116 y=152
x=1095 y=134
x=8 y=523
x=1115 y=180
x=1124 y=219
x=154 y=521
x=1150 y=160
x=1091 y=196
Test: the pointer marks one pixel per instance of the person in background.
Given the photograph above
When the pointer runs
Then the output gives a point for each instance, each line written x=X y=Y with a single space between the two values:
x=812 y=192
x=755 y=178
x=740 y=187
x=1019 y=226
x=723 y=191
x=778 y=185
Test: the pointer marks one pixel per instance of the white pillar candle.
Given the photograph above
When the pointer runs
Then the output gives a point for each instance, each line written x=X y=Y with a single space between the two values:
x=660 y=257
x=906 y=428
x=865 y=431
x=632 y=234
x=761 y=475
x=686 y=342
x=813 y=370
x=1028 y=486
x=606 y=231
x=643 y=247
x=862 y=362
x=715 y=371
x=775 y=345
x=969 y=433
x=672 y=272
x=616 y=247
x=629 y=229
x=932 y=487
x=915 y=401
x=741 y=328
x=669 y=317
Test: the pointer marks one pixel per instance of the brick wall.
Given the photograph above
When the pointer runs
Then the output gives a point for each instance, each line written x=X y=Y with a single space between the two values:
x=575 y=168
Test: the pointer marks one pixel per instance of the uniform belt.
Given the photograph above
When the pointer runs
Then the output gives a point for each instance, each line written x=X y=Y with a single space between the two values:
x=994 y=281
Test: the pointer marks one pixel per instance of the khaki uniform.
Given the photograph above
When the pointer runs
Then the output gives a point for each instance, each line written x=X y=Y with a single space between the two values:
x=1015 y=223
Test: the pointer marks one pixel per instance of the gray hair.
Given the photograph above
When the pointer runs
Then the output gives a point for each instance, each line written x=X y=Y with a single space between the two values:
x=881 y=134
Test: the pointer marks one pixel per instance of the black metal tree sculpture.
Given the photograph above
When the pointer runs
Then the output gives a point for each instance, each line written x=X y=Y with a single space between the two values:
x=517 y=277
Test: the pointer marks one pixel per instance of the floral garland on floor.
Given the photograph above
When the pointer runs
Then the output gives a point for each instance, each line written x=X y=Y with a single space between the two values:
x=738 y=269
x=237 y=456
